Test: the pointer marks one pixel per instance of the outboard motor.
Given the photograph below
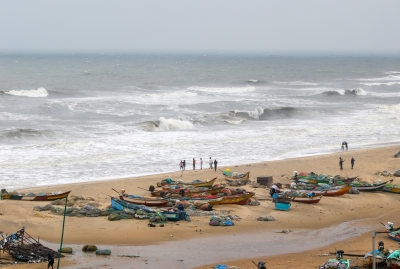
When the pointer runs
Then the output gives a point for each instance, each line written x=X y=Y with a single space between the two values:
x=381 y=246
x=389 y=226
x=339 y=255
x=261 y=265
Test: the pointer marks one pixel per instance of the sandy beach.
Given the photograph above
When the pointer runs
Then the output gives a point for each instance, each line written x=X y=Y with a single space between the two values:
x=344 y=222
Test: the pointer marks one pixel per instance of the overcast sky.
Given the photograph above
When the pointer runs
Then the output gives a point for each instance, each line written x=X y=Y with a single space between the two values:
x=185 y=25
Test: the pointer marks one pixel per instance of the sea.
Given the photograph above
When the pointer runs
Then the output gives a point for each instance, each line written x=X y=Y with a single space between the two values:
x=71 y=117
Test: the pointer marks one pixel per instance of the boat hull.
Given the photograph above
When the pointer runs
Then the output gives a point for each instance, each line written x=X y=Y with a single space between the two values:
x=232 y=179
x=376 y=187
x=236 y=199
x=307 y=200
x=337 y=192
x=146 y=202
x=393 y=260
x=46 y=197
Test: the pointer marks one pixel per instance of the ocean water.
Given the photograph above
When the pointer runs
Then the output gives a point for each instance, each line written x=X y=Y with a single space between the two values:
x=68 y=118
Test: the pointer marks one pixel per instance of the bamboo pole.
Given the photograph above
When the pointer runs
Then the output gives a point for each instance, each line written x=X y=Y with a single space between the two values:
x=62 y=233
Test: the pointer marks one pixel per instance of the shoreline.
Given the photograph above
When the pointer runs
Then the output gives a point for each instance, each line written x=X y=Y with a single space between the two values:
x=291 y=156
x=368 y=209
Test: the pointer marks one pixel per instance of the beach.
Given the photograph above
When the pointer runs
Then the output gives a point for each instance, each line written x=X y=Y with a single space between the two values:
x=343 y=222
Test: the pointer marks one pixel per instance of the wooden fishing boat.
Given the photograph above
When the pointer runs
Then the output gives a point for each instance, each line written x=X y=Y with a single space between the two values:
x=211 y=199
x=380 y=259
x=307 y=200
x=173 y=215
x=186 y=192
x=244 y=178
x=393 y=260
x=239 y=199
x=207 y=183
x=333 y=192
x=395 y=235
x=144 y=201
x=394 y=188
x=45 y=197
x=363 y=186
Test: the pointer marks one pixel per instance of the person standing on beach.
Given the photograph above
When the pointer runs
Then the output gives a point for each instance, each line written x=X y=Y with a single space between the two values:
x=215 y=165
x=194 y=164
x=352 y=162
x=345 y=144
x=211 y=163
x=201 y=163
x=180 y=165
x=184 y=165
x=341 y=161
x=50 y=260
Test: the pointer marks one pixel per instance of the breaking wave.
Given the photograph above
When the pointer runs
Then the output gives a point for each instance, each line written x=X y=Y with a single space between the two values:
x=356 y=91
x=380 y=83
x=237 y=116
x=41 y=92
x=165 y=125
x=20 y=133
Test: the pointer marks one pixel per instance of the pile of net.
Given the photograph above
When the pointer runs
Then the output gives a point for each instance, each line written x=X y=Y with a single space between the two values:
x=223 y=220
x=333 y=264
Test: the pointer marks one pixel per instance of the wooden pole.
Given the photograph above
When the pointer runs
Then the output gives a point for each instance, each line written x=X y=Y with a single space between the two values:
x=62 y=233
x=373 y=250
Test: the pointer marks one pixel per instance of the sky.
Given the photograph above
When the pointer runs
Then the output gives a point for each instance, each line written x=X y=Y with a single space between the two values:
x=193 y=25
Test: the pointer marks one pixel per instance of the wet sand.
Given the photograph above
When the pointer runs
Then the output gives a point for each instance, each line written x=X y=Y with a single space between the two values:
x=314 y=227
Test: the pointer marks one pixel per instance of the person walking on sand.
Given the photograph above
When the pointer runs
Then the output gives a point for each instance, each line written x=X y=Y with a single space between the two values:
x=201 y=163
x=194 y=164
x=352 y=162
x=180 y=165
x=341 y=161
x=215 y=165
x=50 y=260
x=183 y=165
x=211 y=163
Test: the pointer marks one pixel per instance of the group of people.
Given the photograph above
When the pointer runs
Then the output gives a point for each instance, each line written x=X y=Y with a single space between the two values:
x=182 y=164
x=341 y=161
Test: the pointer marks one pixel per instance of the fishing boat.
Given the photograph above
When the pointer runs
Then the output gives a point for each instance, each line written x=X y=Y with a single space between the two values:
x=211 y=199
x=394 y=188
x=173 y=215
x=45 y=197
x=307 y=199
x=185 y=192
x=380 y=258
x=239 y=199
x=393 y=260
x=364 y=186
x=196 y=183
x=232 y=178
x=395 y=235
x=333 y=192
x=144 y=201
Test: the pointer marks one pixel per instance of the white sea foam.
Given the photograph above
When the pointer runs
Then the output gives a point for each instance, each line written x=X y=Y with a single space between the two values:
x=163 y=98
x=392 y=72
x=228 y=90
x=395 y=109
x=172 y=125
x=391 y=77
x=296 y=83
x=379 y=83
x=41 y=92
